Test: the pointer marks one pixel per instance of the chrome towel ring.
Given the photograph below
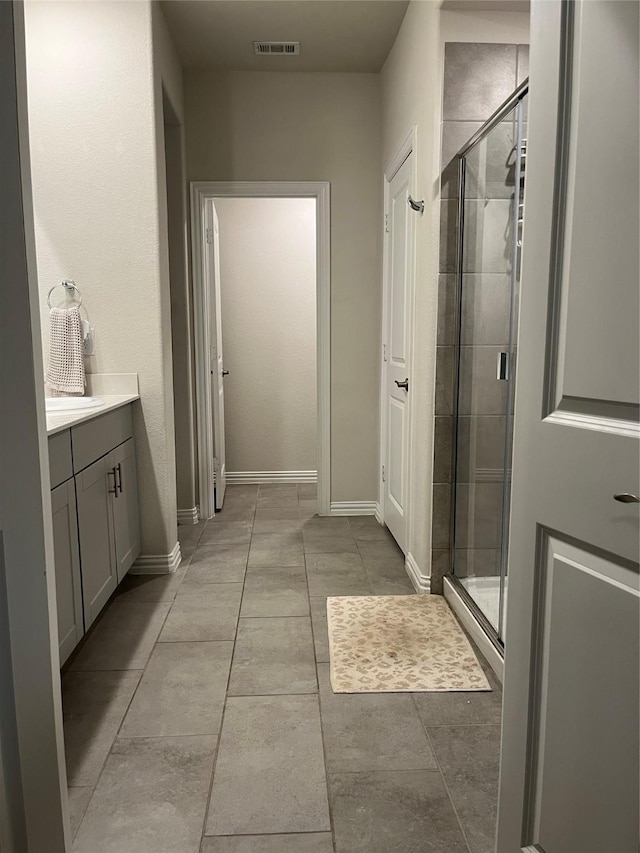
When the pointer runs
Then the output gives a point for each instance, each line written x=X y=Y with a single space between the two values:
x=68 y=285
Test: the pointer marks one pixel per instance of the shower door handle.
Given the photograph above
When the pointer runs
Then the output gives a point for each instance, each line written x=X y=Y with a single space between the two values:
x=503 y=366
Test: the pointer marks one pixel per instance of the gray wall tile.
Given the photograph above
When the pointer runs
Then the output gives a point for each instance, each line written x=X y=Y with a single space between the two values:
x=477 y=79
x=454 y=136
x=480 y=447
x=480 y=391
x=440 y=566
x=448 y=235
x=486 y=303
x=479 y=515
x=442 y=462
x=441 y=515
x=444 y=380
x=487 y=236
x=447 y=298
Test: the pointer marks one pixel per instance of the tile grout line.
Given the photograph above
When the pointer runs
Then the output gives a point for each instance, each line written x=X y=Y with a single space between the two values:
x=142 y=672
x=226 y=694
x=322 y=731
x=425 y=728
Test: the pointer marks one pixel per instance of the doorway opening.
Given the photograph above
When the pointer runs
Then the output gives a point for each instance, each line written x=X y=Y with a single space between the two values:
x=261 y=323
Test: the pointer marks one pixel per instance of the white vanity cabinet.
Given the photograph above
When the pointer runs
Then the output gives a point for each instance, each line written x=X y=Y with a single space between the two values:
x=96 y=522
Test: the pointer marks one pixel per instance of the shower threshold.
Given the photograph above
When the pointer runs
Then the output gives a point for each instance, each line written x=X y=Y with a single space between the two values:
x=475 y=622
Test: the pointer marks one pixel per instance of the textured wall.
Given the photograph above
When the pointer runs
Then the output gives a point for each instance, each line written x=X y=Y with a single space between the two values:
x=268 y=278
x=477 y=79
x=269 y=126
x=95 y=113
x=411 y=96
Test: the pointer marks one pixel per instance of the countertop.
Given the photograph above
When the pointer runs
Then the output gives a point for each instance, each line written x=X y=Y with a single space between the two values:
x=59 y=421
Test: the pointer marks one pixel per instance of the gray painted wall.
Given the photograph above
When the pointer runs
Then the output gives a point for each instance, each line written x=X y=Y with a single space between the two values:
x=270 y=126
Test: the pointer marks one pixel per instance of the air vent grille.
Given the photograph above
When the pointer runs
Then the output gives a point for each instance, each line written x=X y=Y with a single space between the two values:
x=276 y=48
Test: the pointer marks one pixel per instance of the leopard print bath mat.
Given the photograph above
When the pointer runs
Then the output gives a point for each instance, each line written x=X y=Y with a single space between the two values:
x=399 y=644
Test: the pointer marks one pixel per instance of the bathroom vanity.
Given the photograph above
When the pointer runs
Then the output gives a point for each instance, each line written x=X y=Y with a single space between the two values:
x=94 y=502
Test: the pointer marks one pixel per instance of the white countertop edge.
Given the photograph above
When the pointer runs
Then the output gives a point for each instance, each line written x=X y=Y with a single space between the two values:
x=60 y=421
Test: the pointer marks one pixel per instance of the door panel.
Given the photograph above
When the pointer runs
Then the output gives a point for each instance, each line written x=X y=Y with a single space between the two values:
x=95 y=487
x=601 y=249
x=126 y=522
x=397 y=336
x=569 y=761
x=584 y=680
x=216 y=361
x=67 y=568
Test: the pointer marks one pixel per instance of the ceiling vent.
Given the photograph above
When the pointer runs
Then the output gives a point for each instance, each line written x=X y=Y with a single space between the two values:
x=276 y=48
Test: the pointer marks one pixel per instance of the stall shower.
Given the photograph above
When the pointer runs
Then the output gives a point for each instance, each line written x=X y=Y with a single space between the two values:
x=490 y=218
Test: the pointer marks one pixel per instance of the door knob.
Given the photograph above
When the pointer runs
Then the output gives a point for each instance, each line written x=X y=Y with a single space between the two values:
x=404 y=384
x=626 y=498
x=225 y=372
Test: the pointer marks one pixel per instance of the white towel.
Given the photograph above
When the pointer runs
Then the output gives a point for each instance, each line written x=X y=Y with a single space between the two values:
x=65 y=372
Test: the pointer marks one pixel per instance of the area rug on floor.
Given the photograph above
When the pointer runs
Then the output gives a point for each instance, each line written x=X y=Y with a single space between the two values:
x=399 y=644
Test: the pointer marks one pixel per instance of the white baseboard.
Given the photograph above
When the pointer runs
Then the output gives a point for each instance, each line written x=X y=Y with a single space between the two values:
x=468 y=620
x=420 y=581
x=379 y=517
x=157 y=564
x=188 y=516
x=251 y=477
x=353 y=508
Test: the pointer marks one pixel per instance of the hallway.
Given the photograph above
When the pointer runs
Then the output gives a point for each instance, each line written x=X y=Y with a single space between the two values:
x=199 y=715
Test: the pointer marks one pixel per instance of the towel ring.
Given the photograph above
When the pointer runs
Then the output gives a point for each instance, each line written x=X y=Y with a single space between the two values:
x=68 y=285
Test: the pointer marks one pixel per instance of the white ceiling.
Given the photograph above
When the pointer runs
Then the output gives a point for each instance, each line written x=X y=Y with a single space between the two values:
x=334 y=35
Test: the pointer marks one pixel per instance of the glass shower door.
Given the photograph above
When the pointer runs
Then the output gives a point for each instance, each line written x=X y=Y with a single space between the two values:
x=490 y=232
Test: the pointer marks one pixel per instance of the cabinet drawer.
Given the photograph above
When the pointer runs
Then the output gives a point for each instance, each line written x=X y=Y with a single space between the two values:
x=100 y=435
x=60 y=464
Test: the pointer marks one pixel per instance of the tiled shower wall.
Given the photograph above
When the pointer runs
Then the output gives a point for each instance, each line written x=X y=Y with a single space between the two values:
x=477 y=79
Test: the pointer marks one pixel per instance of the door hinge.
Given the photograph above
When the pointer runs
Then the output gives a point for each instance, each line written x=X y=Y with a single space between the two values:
x=384 y=476
x=209 y=235
x=384 y=352
x=386 y=223
x=216 y=464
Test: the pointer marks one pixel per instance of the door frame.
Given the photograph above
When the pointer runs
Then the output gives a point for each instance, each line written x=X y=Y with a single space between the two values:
x=408 y=148
x=200 y=193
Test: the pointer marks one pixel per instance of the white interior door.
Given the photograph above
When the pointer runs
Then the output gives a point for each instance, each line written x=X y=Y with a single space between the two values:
x=216 y=363
x=569 y=766
x=396 y=347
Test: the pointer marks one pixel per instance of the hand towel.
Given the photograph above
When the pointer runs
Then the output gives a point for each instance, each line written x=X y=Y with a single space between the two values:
x=65 y=371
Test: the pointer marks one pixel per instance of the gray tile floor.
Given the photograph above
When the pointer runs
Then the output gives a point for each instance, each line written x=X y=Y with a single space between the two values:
x=199 y=717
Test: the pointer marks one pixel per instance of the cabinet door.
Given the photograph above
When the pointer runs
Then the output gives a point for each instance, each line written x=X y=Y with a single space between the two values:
x=95 y=487
x=126 y=522
x=67 y=568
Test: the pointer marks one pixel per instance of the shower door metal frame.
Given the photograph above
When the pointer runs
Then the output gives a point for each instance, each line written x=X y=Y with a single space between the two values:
x=512 y=101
